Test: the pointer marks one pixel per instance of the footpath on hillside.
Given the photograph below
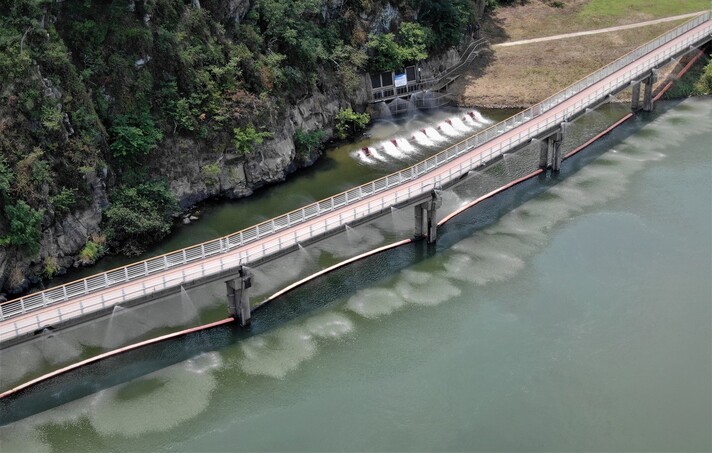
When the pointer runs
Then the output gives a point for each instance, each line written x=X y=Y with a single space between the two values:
x=537 y=49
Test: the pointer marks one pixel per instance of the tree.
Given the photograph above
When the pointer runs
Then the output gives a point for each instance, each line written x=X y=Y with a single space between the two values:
x=389 y=53
x=25 y=225
x=446 y=19
x=349 y=122
x=704 y=84
x=134 y=136
x=6 y=177
x=139 y=216
x=307 y=142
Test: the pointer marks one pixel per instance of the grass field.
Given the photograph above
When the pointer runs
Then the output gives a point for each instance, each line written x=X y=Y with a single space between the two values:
x=537 y=18
x=652 y=8
x=523 y=75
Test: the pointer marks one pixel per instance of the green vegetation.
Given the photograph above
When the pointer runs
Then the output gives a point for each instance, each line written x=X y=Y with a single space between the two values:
x=704 y=84
x=24 y=223
x=306 y=143
x=94 y=249
x=349 y=122
x=389 y=54
x=64 y=201
x=98 y=94
x=618 y=8
x=134 y=136
x=139 y=216
x=50 y=267
x=247 y=138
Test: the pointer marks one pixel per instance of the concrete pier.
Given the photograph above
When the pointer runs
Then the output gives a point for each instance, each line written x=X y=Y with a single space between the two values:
x=238 y=298
x=426 y=224
x=635 y=97
x=551 y=154
x=648 y=103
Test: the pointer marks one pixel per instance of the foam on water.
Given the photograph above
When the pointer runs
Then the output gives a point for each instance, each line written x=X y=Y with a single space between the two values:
x=404 y=145
x=447 y=129
x=436 y=291
x=478 y=116
x=434 y=135
x=276 y=353
x=363 y=158
x=372 y=303
x=329 y=325
x=422 y=139
x=204 y=363
x=392 y=150
x=459 y=125
x=470 y=120
x=180 y=395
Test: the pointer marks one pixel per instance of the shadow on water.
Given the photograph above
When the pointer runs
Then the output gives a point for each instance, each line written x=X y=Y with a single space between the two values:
x=306 y=300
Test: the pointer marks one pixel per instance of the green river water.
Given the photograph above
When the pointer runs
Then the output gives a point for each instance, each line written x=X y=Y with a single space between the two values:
x=570 y=313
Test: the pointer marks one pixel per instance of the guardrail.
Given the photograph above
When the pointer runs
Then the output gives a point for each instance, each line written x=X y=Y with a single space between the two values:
x=286 y=231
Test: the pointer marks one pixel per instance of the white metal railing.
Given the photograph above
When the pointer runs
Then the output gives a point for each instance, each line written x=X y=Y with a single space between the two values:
x=269 y=237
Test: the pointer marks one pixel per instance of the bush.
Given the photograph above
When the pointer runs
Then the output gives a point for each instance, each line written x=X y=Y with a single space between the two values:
x=134 y=136
x=246 y=138
x=349 y=122
x=210 y=173
x=64 y=201
x=139 y=216
x=94 y=249
x=6 y=177
x=25 y=225
x=50 y=267
x=446 y=19
x=704 y=84
x=307 y=142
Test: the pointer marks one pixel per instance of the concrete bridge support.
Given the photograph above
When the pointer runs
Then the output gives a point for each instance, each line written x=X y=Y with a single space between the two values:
x=426 y=224
x=635 y=97
x=648 y=92
x=551 y=154
x=238 y=298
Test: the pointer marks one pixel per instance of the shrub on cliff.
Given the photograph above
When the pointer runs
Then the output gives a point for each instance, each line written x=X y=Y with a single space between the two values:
x=349 y=122
x=139 y=216
x=24 y=228
x=704 y=84
x=134 y=136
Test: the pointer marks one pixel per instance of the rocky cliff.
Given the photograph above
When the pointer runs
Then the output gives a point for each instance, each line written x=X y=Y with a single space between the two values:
x=72 y=87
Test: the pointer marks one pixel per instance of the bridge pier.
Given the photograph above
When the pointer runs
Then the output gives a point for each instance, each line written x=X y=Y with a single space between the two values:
x=648 y=92
x=238 y=298
x=426 y=224
x=551 y=154
x=635 y=97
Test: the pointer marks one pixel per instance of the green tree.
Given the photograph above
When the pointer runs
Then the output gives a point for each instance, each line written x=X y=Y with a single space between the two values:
x=349 y=122
x=704 y=84
x=64 y=200
x=390 y=53
x=134 y=136
x=446 y=19
x=415 y=40
x=139 y=216
x=307 y=142
x=247 y=137
x=6 y=177
x=25 y=225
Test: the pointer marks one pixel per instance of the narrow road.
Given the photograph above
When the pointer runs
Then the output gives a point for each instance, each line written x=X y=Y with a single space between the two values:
x=600 y=30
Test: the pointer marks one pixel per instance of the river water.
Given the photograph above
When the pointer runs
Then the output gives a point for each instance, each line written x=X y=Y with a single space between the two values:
x=571 y=313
